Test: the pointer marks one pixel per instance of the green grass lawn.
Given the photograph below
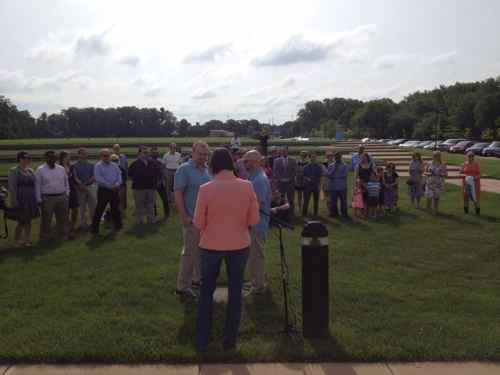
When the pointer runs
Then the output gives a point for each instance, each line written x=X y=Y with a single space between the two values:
x=408 y=287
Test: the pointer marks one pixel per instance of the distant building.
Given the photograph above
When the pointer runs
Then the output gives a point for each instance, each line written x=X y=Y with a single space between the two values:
x=220 y=133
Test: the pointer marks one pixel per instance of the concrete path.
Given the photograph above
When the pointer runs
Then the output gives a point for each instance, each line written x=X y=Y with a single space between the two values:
x=487 y=184
x=431 y=368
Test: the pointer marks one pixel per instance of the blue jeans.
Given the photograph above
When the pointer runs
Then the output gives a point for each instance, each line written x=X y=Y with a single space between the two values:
x=211 y=261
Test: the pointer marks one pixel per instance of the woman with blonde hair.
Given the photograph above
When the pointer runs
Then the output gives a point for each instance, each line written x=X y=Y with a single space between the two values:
x=436 y=174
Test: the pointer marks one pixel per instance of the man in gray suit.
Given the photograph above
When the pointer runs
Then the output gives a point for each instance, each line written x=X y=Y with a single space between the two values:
x=284 y=171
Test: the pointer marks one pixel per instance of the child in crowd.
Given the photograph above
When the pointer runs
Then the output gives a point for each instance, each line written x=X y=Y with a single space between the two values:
x=380 y=206
x=390 y=187
x=373 y=188
x=357 y=199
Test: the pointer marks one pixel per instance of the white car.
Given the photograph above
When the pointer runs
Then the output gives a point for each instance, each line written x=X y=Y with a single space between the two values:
x=409 y=144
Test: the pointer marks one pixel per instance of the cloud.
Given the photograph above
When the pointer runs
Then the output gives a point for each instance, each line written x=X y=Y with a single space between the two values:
x=132 y=61
x=148 y=84
x=310 y=49
x=204 y=95
x=17 y=81
x=389 y=62
x=92 y=45
x=153 y=92
x=208 y=55
x=448 y=58
x=295 y=50
x=289 y=82
x=47 y=54
x=11 y=81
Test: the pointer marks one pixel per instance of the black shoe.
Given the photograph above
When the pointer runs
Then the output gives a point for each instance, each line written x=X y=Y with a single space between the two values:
x=187 y=293
x=466 y=209
x=478 y=210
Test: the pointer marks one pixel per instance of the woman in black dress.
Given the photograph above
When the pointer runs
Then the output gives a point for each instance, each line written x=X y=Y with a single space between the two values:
x=74 y=205
x=23 y=198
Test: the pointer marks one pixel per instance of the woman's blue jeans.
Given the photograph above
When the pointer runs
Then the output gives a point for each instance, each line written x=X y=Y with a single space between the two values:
x=211 y=261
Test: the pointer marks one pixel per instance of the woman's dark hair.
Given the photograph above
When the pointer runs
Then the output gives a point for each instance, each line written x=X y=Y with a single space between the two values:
x=63 y=155
x=221 y=160
x=22 y=155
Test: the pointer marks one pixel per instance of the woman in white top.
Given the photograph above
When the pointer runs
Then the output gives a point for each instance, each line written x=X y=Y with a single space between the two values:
x=172 y=161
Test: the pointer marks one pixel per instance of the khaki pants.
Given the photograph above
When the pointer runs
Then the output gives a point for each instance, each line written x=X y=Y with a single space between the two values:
x=189 y=267
x=256 y=260
x=57 y=206
x=170 y=174
x=87 y=198
x=145 y=204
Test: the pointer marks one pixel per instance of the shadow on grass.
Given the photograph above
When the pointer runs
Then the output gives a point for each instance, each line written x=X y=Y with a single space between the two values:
x=456 y=219
x=30 y=253
x=327 y=347
x=143 y=230
x=96 y=241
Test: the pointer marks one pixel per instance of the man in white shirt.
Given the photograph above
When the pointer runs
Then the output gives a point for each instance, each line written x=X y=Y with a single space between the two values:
x=172 y=160
x=235 y=142
x=52 y=193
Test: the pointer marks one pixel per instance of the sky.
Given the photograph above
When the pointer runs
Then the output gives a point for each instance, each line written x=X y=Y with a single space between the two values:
x=225 y=59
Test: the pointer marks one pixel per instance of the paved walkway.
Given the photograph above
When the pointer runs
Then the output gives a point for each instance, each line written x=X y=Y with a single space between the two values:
x=487 y=184
x=433 y=368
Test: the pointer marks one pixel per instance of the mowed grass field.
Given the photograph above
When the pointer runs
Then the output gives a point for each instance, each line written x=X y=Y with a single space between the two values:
x=409 y=287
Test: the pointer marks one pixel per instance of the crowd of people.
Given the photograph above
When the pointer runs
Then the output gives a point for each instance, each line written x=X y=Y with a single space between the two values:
x=224 y=204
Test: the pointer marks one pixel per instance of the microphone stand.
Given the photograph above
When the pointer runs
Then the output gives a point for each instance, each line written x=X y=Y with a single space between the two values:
x=288 y=327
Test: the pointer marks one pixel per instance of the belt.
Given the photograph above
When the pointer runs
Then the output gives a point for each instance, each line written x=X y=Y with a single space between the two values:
x=53 y=195
x=171 y=169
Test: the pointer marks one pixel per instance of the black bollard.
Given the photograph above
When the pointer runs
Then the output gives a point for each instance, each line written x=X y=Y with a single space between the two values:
x=315 y=280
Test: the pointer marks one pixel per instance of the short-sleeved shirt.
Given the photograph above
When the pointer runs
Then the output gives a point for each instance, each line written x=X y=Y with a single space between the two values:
x=262 y=189
x=188 y=179
x=373 y=188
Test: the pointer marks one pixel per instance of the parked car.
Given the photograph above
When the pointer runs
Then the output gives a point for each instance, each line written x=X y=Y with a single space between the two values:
x=423 y=144
x=397 y=142
x=408 y=144
x=460 y=147
x=431 y=145
x=492 y=150
x=477 y=149
x=445 y=146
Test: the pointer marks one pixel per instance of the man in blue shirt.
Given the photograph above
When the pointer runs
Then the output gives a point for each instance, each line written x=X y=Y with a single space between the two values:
x=187 y=181
x=313 y=172
x=262 y=188
x=337 y=186
x=109 y=179
x=84 y=176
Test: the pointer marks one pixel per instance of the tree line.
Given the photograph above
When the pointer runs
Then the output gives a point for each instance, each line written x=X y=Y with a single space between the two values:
x=460 y=110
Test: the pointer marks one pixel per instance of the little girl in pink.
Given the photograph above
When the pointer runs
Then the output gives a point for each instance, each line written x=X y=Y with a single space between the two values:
x=357 y=199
